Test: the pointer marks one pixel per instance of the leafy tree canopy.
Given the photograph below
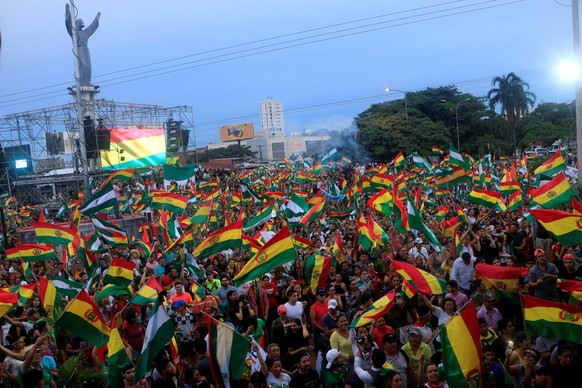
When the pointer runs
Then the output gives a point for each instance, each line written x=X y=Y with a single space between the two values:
x=384 y=129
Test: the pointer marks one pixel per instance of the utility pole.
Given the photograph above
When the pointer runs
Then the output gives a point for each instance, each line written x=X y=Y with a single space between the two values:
x=577 y=52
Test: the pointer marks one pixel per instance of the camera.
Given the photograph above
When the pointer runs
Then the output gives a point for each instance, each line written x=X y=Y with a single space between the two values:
x=360 y=340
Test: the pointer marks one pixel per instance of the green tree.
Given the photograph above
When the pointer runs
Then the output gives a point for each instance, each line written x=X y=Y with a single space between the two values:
x=512 y=94
x=383 y=131
x=549 y=122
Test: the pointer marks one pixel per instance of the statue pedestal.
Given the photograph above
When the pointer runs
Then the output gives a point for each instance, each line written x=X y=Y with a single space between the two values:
x=89 y=109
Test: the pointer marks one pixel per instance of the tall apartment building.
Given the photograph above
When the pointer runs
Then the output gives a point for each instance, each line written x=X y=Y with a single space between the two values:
x=272 y=121
x=271 y=144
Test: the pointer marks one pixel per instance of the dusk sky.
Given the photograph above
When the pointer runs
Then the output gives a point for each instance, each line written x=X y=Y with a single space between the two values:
x=326 y=60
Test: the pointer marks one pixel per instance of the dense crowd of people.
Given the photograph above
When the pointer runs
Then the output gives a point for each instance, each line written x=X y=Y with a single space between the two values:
x=305 y=331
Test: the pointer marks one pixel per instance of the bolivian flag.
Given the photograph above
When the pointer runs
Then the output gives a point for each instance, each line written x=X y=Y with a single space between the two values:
x=438 y=151
x=566 y=227
x=301 y=243
x=50 y=298
x=382 y=202
x=12 y=254
x=25 y=269
x=378 y=309
x=462 y=357
x=220 y=240
x=52 y=234
x=576 y=206
x=423 y=281
x=338 y=249
x=488 y=199
x=515 y=201
x=120 y=272
x=279 y=250
x=552 y=166
x=456 y=176
x=121 y=175
x=172 y=202
x=507 y=188
x=573 y=287
x=442 y=211
x=142 y=147
x=382 y=180
x=504 y=280
x=316 y=271
x=7 y=301
x=553 y=193
x=198 y=292
x=118 y=360
x=314 y=212
x=552 y=319
x=35 y=252
x=82 y=317
x=399 y=160
x=148 y=292
x=25 y=292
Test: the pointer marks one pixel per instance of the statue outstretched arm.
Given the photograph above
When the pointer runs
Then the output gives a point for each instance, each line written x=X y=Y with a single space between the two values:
x=90 y=29
x=68 y=23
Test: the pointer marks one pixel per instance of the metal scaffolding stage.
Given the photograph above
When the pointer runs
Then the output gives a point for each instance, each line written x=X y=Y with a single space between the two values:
x=24 y=136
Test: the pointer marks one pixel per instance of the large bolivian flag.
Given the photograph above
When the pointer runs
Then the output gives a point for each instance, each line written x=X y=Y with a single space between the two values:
x=279 y=250
x=462 y=349
x=545 y=318
x=134 y=148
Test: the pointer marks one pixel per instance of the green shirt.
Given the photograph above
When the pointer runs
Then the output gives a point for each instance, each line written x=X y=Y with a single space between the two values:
x=333 y=379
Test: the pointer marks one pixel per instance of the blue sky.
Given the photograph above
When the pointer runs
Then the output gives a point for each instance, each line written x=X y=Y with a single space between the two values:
x=344 y=54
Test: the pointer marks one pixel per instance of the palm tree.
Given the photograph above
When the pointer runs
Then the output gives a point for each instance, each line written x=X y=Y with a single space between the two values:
x=513 y=95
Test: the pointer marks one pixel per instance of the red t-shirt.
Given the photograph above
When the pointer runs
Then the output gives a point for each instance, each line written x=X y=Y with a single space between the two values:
x=271 y=289
x=320 y=310
x=379 y=333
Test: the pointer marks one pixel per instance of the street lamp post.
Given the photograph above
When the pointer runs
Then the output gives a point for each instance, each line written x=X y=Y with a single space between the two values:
x=405 y=100
x=457 y=118
x=576 y=33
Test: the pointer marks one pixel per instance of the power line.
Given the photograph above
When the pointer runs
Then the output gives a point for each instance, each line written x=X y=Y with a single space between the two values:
x=236 y=46
x=183 y=66
x=379 y=97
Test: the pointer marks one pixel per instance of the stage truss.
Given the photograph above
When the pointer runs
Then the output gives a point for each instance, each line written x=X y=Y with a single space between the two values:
x=30 y=127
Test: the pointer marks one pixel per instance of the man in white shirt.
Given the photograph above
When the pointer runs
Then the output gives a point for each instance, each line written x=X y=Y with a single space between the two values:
x=418 y=249
x=295 y=308
x=464 y=273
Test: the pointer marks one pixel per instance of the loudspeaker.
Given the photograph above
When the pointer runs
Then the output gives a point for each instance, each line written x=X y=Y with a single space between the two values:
x=173 y=135
x=55 y=143
x=185 y=138
x=90 y=137
x=103 y=139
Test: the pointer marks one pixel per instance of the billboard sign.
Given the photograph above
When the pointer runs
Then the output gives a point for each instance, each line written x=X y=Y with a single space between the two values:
x=236 y=132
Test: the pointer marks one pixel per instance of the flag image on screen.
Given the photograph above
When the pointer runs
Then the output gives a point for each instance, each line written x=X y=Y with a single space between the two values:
x=134 y=148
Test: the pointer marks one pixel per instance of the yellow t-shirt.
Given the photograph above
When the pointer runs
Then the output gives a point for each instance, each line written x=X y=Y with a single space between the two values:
x=339 y=342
